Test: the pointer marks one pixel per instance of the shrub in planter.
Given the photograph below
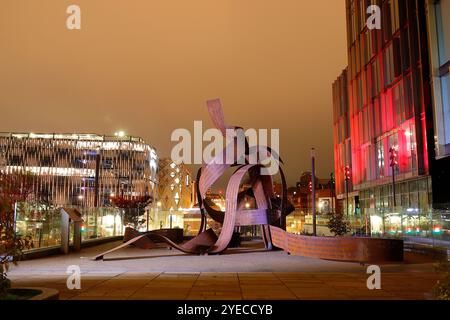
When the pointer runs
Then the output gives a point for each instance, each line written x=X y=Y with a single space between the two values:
x=338 y=225
x=133 y=208
x=14 y=188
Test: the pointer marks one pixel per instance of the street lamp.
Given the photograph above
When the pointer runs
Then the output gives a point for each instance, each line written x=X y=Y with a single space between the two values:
x=313 y=189
x=347 y=174
x=393 y=164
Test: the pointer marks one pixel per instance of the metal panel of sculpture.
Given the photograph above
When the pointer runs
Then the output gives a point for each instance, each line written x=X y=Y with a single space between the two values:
x=270 y=210
x=270 y=213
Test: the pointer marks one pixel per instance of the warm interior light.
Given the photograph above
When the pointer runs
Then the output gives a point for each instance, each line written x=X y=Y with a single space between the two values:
x=120 y=134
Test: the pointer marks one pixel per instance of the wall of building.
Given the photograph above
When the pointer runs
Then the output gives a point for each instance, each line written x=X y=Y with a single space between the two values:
x=175 y=196
x=390 y=105
x=81 y=170
x=386 y=93
x=77 y=170
x=439 y=27
x=438 y=15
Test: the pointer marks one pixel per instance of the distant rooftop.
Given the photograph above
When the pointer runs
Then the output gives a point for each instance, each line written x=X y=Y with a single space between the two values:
x=121 y=137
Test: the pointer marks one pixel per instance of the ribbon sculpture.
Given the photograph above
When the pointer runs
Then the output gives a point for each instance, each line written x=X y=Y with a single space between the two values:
x=271 y=209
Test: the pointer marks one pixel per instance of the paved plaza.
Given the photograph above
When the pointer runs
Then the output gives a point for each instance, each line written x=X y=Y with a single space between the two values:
x=138 y=274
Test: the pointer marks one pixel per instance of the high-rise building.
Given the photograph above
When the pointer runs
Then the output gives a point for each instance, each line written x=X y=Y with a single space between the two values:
x=384 y=122
x=438 y=14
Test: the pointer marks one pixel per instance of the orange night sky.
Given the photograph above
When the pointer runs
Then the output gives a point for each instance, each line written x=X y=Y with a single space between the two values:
x=148 y=66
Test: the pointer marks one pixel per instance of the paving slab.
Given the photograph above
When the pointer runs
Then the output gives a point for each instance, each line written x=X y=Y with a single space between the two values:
x=162 y=274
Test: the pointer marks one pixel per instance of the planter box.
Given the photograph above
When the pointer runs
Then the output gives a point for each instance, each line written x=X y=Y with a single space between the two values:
x=35 y=293
x=349 y=249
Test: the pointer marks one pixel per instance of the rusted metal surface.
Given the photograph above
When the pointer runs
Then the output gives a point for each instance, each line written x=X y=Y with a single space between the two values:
x=267 y=211
x=175 y=235
x=231 y=206
x=198 y=245
x=270 y=213
x=123 y=245
x=350 y=249
x=143 y=242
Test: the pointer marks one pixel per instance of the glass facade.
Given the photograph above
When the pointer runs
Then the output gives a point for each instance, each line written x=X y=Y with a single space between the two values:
x=44 y=226
x=83 y=171
x=341 y=124
x=384 y=97
x=413 y=216
x=385 y=85
x=439 y=26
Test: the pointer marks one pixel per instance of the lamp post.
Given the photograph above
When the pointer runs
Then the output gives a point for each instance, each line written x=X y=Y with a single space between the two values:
x=333 y=191
x=347 y=180
x=394 y=164
x=96 y=188
x=313 y=190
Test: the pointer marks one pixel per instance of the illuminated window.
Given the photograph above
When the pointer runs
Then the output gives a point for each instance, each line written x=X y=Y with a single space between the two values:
x=380 y=159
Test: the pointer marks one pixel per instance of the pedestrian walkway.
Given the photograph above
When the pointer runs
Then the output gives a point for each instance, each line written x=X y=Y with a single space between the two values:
x=236 y=286
x=137 y=274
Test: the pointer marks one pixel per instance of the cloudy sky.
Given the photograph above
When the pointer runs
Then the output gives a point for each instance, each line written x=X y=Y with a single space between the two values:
x=148 y=66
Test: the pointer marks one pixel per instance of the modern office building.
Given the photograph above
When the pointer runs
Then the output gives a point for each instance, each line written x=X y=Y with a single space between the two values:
x=384 y=108
x=438 y=17
x=78 y=170
x=439 y=26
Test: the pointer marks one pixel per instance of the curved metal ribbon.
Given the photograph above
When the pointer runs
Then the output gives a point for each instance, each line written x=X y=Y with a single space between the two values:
x=270 y=209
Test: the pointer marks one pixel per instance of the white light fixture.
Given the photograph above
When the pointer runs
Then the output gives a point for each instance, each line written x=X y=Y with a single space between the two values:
x=120 y=134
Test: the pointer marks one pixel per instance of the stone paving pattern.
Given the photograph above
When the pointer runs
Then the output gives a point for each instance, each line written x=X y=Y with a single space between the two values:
x=258 y=275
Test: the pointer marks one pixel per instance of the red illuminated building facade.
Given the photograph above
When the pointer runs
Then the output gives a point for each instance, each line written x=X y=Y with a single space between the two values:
x=384 y=122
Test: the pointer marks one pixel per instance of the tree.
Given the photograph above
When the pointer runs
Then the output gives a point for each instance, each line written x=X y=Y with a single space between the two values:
x=133 y=208
x=14 y=188
x=337 y=224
